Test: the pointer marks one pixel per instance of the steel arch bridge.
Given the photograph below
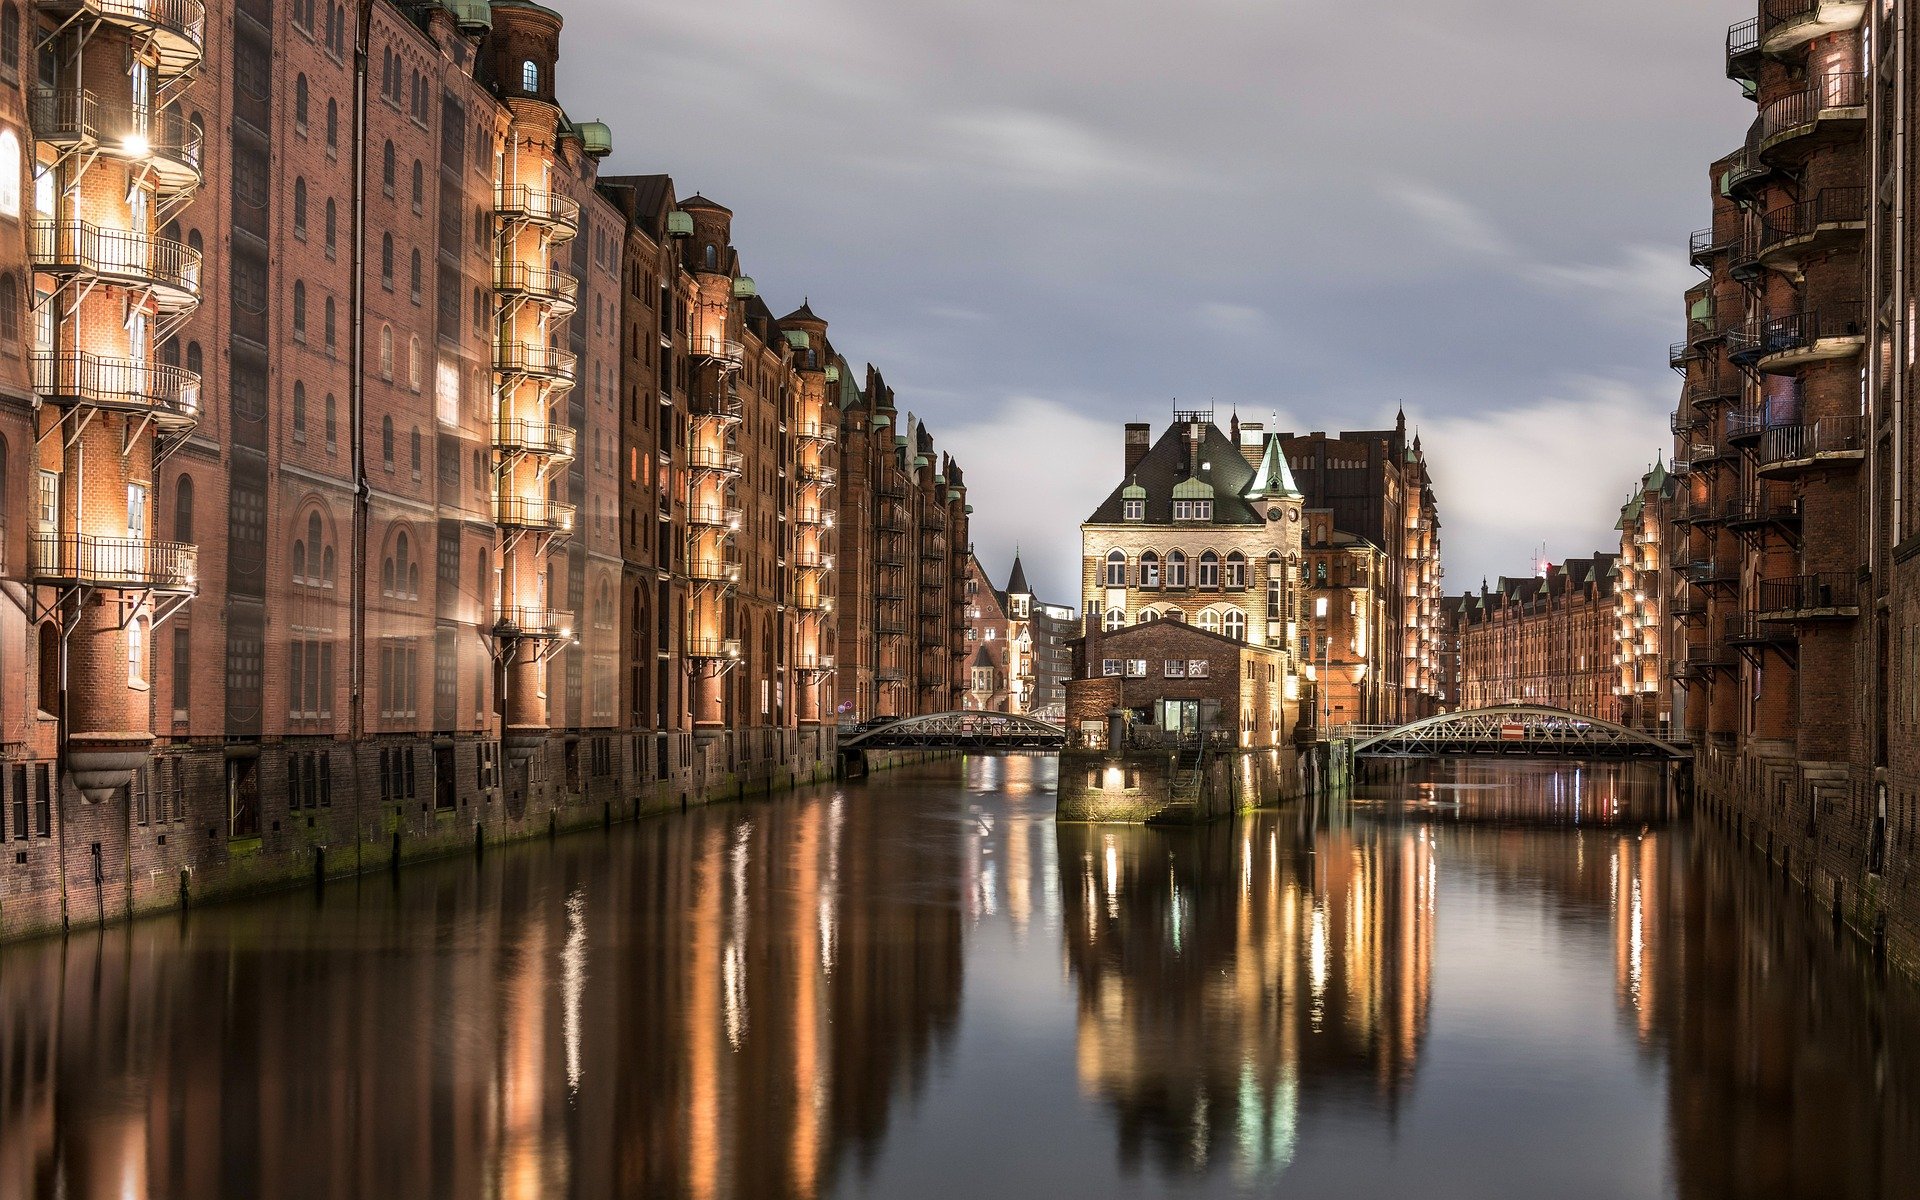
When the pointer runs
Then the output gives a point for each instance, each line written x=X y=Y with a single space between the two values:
x=970 y=730
x=1515 y=730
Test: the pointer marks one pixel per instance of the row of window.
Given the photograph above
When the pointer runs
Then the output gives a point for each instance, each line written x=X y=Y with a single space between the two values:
x=1210 y=569
x=1170 y=668
x=1232 y=623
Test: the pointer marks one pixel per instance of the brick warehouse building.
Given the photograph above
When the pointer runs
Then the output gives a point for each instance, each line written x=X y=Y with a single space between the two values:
x=1643 y=597
x=1796 y=448
x=1019 y=649
x=483 y=492
x=1547 y=639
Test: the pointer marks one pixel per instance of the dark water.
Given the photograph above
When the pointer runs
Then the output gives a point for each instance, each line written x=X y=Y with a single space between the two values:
x=1522 y=984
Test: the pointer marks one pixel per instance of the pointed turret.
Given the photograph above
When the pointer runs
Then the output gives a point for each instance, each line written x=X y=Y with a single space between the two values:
x=1273 y=478
x=1017 y=579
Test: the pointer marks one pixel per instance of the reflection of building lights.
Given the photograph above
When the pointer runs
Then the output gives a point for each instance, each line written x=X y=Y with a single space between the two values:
x=574 y=982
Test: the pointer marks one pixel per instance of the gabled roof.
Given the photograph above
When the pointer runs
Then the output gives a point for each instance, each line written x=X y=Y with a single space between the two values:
x=1221 y=470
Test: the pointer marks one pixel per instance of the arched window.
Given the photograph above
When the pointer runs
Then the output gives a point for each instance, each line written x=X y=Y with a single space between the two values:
x=327 y=412
x=299 y=411
x=300 y=309
x=300 y=208
x=1176 y=615
x=1116 y=573
x=1236 y=570
x=1209 y=573
x=328 y=322
x=1149 y=569
x=183 y=509
x=386 y=261
x=1209 y=621
x=419 y=186
x=1235 y=625
x=314 y=547
x=1145 y=615
x=413 y=362
x=299 y=561
x=386 y=352
x=195 y=361
x=386 y=443
x=333 y=226
x=1176 y=569
x=10 y=309
x=49 y=667
x=388 y=167
x=300 y=104
x=713 y=257
x=529 y=76
x=415 y=448
x=333 y=125
x=9 y=173
x=413 y=276
x=1115 y=618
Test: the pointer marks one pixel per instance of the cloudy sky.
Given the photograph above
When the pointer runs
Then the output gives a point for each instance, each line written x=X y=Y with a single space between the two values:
x=1043 y=218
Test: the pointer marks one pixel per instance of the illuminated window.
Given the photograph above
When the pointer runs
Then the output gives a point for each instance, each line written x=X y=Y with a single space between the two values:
x=1236 y=570
x=10 y=173
x=1116 y=618
x=1209 y=621
x=1176 y=569
x=529 y=76
x=1149 y=569
x=1235 y=625
x=1209 y=575
x=1116 y=572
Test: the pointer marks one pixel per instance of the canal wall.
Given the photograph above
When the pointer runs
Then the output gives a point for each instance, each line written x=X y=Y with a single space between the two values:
x=1137 y=785
x=326 y=809
x=1827 y=828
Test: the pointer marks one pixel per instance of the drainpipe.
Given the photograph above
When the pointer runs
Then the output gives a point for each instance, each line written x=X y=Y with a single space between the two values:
x=356 y=384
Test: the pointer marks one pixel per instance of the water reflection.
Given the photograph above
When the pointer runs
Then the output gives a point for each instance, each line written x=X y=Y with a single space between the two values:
x=1489 y=982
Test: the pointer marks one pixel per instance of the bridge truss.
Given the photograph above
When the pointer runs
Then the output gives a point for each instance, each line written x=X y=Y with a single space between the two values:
x=960 y=730
x=1522 y=730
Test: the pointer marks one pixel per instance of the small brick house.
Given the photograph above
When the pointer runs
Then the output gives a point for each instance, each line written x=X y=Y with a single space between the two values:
x=1174 y=678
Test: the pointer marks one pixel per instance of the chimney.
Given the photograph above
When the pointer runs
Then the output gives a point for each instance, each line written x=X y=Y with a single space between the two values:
x=1138 y=434
x=1196 y=437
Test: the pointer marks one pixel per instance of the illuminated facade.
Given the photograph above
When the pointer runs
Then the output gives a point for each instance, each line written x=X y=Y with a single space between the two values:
x=1547 y=639
x=1020 y=657
x=507 y=502
x=1642 y=595
x=1346 y=630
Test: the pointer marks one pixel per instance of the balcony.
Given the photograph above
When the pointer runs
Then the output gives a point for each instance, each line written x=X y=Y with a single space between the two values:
x=1747 y=169
x=823 y=432
x=1782 y=345
x=815 y=603
x=1786 y=24
x=1794 y=233
x=1744 y=514
x=1823 y=596
x=83 y=560
x=1708 y=452
x=81 y=250
x=1747 y=629
x=177 y=27
x=521 y=621
x=1832 y=108
x=159 y=140
x=1743 y=53
x=1745 y=425
x=1688 y=607
x=707 y=648
x=170 y=395
x=713 y=570
x=1704 y=246
x=1706 y=572
x=1719 y=387
x=1684 y=420
x=813 y=662
x=1743 y=262
x=813 y=518
x=1827 y=442
x=556 y=443
x=549 y=364
x=811 y=560
x=557 y=214
x=713 y=516
x=721 y=405
x=705 y=458
x=814 y=475
x=1700 y=658
x=556 y=289
x=1680 y=354
x=533 y=513
x=729 y=354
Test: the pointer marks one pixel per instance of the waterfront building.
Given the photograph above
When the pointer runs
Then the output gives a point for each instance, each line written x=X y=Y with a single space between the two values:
x=1546 y=639
x=396 y=480
x=1377 y=487
x=1347 y=628
x=1643 y=598
x=1019 y=647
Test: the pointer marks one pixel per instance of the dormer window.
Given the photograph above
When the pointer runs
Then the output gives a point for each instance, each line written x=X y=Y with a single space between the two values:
x=1193 y=510
x=1136 y=510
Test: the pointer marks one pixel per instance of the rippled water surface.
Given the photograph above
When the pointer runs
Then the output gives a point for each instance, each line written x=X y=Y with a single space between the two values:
x=1486 y=982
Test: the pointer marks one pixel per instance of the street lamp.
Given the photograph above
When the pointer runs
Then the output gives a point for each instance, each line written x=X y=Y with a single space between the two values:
x=1326 y=661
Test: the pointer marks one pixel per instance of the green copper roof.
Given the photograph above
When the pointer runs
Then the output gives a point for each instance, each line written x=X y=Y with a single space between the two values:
x=597 y=137
x=1274 y=477
x=1193 y=488
x=799 y=339
x=1133 y=491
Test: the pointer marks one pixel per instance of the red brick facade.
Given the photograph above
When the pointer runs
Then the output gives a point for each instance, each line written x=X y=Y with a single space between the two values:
x=1547 y=639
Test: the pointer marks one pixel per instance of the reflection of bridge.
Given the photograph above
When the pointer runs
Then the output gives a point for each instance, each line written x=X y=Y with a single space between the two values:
x=956 y=731
x=1525 y=730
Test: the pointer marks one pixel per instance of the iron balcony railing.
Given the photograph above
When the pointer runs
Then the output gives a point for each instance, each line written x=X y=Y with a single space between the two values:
x=178 y=26
x=813 y=662
x=1746 y=167
x=533 y=512
x=1745 y=511
x=814 y=603
x=1699 y=656
x=1745 y=423
x=538 y=205
x=811 y=516
x=113 y=561
x=1825 y=438
x=817 y=431
x=1723 y=569
x=517 y=435
x=1800 y=110
x=1832 y=206
x=1680 y=354
x=170 y=268
x=718 y=516
x=713 y=570
x=527 y=621
x=1722 y=384
x=1745 y=629
x=812 y=560
x=814 y=473
x=531 y=358
x=170 y=394
x=1704 y=244
x=161 y=137
x=699 y=647
x=557 y=289
x=1743 y=41
x=723 y=350
x=1821 y=593
x=1775 y=14
x=1796 y=332
x=717 y=404
x=703 y=458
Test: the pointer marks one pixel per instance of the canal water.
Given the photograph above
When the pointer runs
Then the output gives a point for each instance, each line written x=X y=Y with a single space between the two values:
x=1486 y=982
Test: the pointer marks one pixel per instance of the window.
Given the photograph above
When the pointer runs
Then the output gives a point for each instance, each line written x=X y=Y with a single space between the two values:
x=1197 y=668
x=9 y=173
x=1136 y=668
x=137 y=652
x=388 y=168
x=1111 y=666
x=333 y=127
x=386 y=261
x=300 y=105
x=331 y=426
x=183 y=509
x=419 y=187
x=1174 y=668
x=1116 y=573
x=1176 y=569
x=1209 y=573
x=1145 y=615
x=1115 y=618
x=299 y=411
x=1273 y=599
x=529 y=76
x=300 y=209
x=413 y=279
x=182 y=672
x=386 y=443
x=1235 y=625
x=416 y=452
x=299 y=310
x=386 y=353
x=1236 y=577
x=1149 y=569
x=10 y=37
x=1209 y=621
x=333 y=225
x=1136 y=510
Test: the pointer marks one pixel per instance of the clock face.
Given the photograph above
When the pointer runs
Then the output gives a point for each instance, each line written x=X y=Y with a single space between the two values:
x=1273 y=514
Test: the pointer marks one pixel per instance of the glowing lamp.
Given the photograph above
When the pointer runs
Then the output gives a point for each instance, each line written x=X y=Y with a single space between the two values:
x=136 y=145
